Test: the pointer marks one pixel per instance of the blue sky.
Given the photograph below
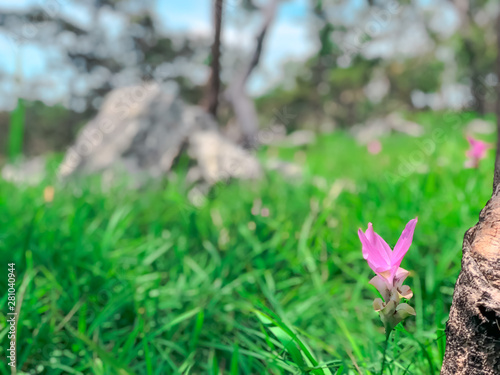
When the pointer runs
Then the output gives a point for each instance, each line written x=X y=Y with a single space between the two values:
x=287 y=39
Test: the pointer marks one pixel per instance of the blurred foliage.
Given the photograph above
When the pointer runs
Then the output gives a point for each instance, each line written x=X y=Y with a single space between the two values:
x=323 y=91
x=423 y=75
x=47 y=129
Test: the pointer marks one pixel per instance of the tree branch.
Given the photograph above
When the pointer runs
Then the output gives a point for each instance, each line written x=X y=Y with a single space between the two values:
x=243 y=106
x=211 y=99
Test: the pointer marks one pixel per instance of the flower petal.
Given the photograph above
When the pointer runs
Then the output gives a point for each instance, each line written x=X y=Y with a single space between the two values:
x=403 y=243
x=378 y=304
x=400 y=275
x=404 y=310
x=379 y=243
x=381 y=285
x=477 y=149
x=387 y=276
x=371 y=253
x=366 y=246
x=384 y=248
x=405 y=292
x=471 y=140
x=370 y=233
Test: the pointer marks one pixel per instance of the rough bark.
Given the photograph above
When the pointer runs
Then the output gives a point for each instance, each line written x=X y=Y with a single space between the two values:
x=496 y=178
x=473 y=329
x=243 y=106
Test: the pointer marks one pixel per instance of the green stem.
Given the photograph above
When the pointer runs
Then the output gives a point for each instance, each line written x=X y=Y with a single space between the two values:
x=385 y=351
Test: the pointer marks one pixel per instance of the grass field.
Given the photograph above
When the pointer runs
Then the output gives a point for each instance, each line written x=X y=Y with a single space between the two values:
x=143 y=282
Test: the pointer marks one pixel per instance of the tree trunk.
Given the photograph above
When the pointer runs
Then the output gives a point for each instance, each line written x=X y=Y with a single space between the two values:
x=211 y=99
x=243 y=106
x=473 y=329
x=496 y=178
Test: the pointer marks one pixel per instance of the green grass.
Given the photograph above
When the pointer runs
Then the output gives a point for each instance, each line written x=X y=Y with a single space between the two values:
x=112 y=281
x=16 y=131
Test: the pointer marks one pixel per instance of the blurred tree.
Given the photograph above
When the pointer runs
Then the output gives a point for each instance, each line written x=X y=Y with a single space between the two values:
x=211 y=98
x=243 y=106
x=362 y=66
x=101 y=57
x=118 y=44
x=474 y=50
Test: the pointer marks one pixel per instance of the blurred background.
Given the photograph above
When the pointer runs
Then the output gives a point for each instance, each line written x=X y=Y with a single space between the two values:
x=336 y=63
x=182 y=181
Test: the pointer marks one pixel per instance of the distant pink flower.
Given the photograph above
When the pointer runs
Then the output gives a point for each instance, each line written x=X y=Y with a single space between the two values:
x=384 y=261
x=374 y=147
x=476 y=152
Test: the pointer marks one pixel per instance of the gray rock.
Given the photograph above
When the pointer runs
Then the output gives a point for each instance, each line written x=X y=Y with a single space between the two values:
x=29 y=172
x=219 y=159
x=372 y=129
x=142 y=129
x=399 y=124
x=287 y=169
x=480 y=126
x=300 y=138
x=378 y=127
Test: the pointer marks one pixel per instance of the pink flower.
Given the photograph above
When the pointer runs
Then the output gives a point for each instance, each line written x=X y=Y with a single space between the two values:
x=389 y=279
x=384 y=261
x=476 y=152
x=374 y=147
